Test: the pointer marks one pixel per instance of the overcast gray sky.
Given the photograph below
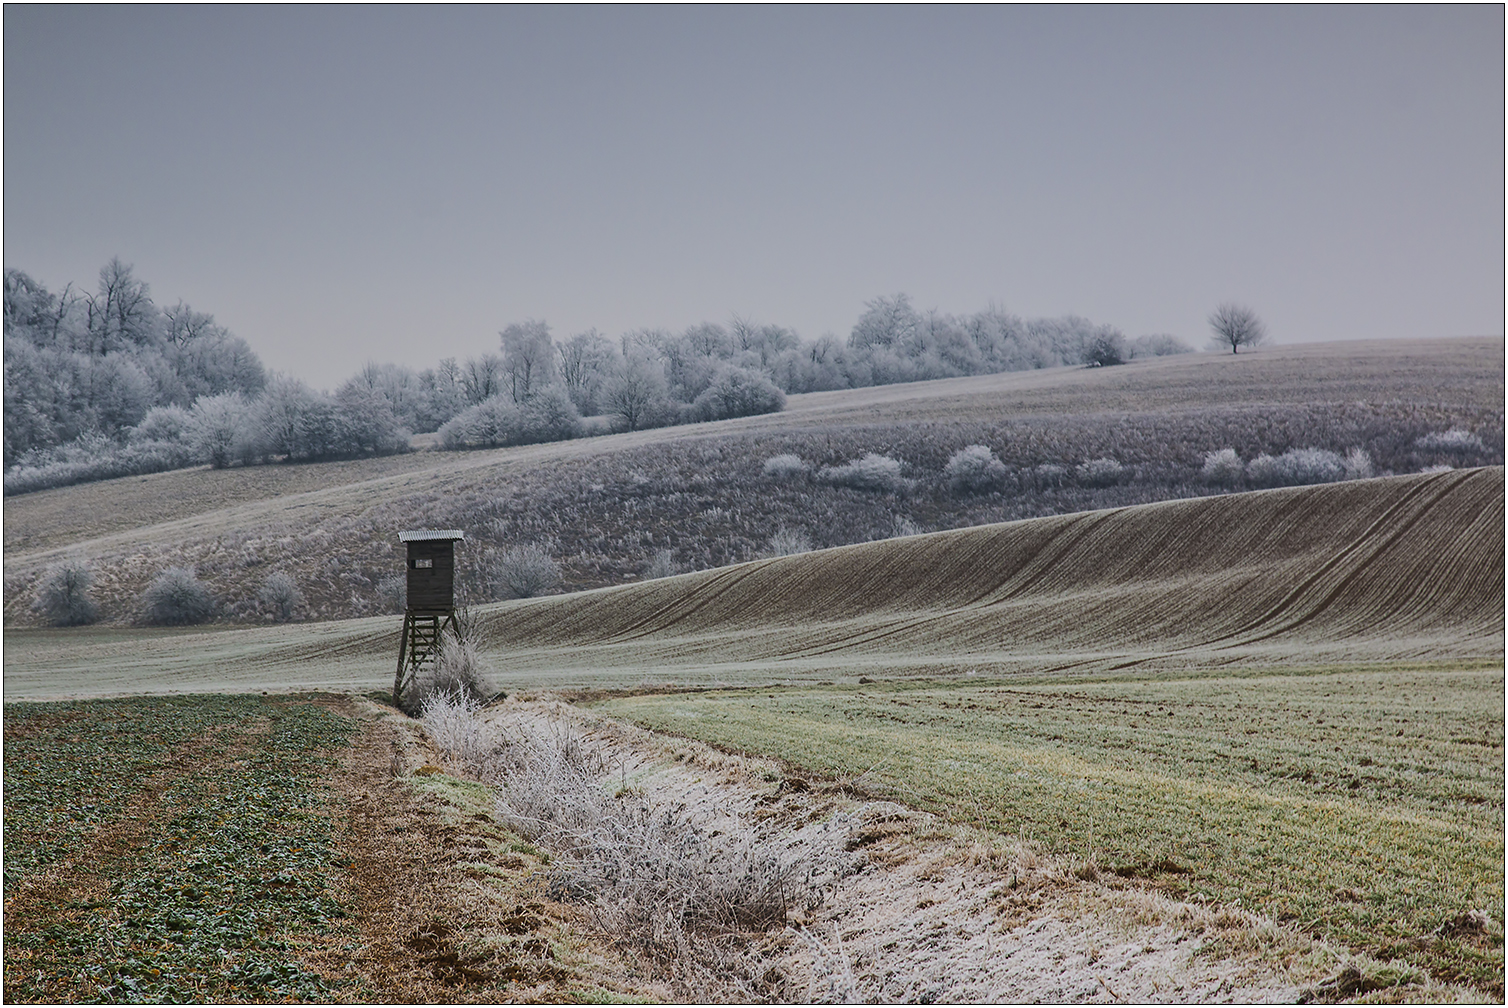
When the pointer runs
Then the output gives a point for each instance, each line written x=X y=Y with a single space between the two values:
x=341 y=184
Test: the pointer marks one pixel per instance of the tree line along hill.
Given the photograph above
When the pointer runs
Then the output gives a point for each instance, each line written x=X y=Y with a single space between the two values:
x=109 y=383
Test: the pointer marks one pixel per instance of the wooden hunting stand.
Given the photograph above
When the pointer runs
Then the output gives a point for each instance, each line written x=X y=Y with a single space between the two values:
x=431 y=605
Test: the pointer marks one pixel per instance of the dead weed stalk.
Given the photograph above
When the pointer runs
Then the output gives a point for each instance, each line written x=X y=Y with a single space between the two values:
x=694 y=901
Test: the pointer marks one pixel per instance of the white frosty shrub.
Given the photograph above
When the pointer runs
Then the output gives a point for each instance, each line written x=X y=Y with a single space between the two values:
x=784 y=467
x=649 y=873
x=788 y=542
x=450 y=716
x=1049 y=474
x=1298 y=467
x=177 y=598
x=872 y=472
x=63 y=596
x=525 y=571
x=737 y=392
x=900 y=525
x=280 y=594
x=1454 y=441
x=1223 y=467
x=973 y=469
x=392 y=592
x=662 y=565
x=1100 y=472
x=1359 y=464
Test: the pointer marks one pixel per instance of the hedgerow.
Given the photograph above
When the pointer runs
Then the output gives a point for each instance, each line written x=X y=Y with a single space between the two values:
x=718 y=500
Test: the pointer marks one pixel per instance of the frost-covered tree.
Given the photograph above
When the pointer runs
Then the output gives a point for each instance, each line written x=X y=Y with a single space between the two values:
x=585 y=361
x=63 y=596
x=280 y=594
x=399 y=387
x=1236 y=326
x=632 y=392
x=221 y=429
x=886 y=322
x=442 y=395
x=1223 y=467
x=481 y=378
x=163 y=423
x=292 y=420
x=528 y=358
x=736 y=392
x=89 y=365
x=525 y=571
x=973 y=469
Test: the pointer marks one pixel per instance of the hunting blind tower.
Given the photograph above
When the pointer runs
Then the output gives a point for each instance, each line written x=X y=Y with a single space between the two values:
x=430 y=606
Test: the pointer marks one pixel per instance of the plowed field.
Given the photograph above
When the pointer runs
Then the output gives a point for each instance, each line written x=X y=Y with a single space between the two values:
x=1378 y=569
x=606 y=507
x=1400 y=568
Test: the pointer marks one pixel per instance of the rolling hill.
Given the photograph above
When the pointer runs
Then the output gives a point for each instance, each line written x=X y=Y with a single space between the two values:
x=1397 y=568
x=606 y=505
x=1392 y=568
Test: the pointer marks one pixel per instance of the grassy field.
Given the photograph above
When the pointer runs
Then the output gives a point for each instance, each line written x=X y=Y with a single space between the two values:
x=228 y=849
x=1363 y=804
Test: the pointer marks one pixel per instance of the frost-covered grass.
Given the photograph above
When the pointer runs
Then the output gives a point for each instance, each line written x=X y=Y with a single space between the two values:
x=682 y=894
x=1363 y=805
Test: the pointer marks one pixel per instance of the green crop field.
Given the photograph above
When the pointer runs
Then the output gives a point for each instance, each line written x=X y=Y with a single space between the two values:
x=1363 y=804
x=192 y=851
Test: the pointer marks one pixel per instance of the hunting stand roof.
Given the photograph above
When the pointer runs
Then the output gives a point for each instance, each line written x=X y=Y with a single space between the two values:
x=423 y=535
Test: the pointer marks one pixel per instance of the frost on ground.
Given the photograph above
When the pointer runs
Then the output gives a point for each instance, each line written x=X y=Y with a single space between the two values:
x=743 y=881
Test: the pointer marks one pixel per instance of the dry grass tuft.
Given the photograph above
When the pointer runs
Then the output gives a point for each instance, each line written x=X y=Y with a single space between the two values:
x=681 y=894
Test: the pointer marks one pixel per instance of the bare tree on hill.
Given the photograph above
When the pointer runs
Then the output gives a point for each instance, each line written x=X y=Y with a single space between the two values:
x=482 y=378
x=528 y=358
x=1236 y=326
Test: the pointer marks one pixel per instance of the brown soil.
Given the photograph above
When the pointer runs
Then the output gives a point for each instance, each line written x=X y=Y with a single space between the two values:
x=1403 y=568
x=1369 y=569
x=444 y=910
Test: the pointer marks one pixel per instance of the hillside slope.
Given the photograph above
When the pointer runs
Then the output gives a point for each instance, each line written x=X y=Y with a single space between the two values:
x=1385 y=568
x=606 y=507
x=1401 y=568
x=1466 y=373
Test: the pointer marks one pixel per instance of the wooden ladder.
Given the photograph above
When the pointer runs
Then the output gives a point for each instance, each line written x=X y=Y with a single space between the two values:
x=419 y=647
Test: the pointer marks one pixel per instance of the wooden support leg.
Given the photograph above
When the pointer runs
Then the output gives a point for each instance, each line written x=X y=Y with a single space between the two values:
x=398 y=677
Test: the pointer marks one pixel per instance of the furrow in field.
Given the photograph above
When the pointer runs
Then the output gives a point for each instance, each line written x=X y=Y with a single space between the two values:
x=1391 y=566
x=1347 y=563
x=1401 y=568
